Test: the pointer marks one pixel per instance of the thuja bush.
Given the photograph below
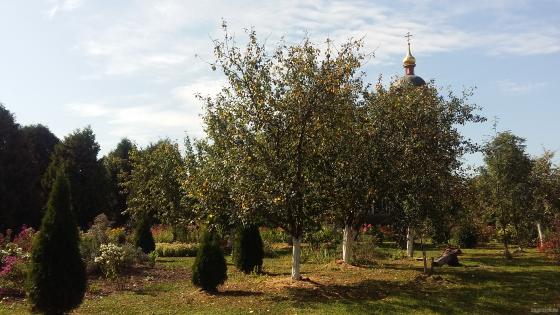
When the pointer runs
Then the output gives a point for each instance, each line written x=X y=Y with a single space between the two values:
x=248 y=250
x=143 y=236
x=57 y=277
x=209 y=269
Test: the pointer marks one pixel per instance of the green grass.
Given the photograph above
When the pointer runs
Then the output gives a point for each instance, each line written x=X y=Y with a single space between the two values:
x=486 y=284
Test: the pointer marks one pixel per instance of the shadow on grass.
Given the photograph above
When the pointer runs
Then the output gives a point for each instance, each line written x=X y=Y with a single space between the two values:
x=453 y=290
x=236 y=293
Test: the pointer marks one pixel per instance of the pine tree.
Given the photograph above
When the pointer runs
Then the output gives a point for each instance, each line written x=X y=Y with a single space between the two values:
x=248 y=250
x=143 y=236
x=209 y=268
x=58 y=279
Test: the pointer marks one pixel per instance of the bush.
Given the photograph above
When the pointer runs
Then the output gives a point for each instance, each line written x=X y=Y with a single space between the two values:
x=185 y=234
x=551 y=244
x=366 y=254
x=209 y=269
x=324 y=235
x=466 y=236
x=116 y=235
x=321 y=254
x=274 y=235
x=143 y=236
x=162 y=233
x=111 y=259
x=248 y=250
x=176 y=250
x=58 y=279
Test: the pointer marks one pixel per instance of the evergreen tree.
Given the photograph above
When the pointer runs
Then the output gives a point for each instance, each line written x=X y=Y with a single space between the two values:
x=16 y=181
x=118 y=166
x=40 y=142
x=87 y=176
x=209 y=269
x=143 y=236
x=57 y=277
x=248 y=250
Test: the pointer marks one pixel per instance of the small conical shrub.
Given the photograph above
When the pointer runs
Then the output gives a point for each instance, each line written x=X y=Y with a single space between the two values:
x=209 y=269
x=143 y=237
x=57 y=276
x=248 y=250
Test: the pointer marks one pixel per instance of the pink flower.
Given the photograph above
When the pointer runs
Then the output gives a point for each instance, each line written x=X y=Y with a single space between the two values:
x=9 y=263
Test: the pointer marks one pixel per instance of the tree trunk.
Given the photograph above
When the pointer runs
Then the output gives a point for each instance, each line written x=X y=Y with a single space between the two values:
x=409 y=242
x=347 y=243
x=424 y=255
x=541 y=235
x=296 y=257
x=507 y=254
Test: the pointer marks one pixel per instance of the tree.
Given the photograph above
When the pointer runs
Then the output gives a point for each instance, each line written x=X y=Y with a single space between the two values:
x=57 y=276
x=77 y=154
x=118 y=166
x=153 y=186
x=40 y=142
x=273 y=122
x=505 y=179
x=418 y=149
x=143 y=237
x=16 y=176
x=545 y=184
x=248 y=250
x=209 y=269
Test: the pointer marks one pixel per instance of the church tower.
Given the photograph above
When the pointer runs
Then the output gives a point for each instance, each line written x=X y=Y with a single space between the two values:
x=409 y=62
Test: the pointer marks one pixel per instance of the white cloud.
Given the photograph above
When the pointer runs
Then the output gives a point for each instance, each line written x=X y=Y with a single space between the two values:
x=518 y=88
x=63 y=6
x=164 y=36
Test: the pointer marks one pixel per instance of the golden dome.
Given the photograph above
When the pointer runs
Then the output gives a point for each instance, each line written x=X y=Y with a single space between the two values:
x=409 y=60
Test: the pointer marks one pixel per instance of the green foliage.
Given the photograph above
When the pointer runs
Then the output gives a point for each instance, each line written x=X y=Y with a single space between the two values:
x=274 y=235
x=153 y=185
x=77 y=154
x=21 y=201
x=209 y=268
x=466 y=235
x=143 y=236
x=152 y=257
x=417 y=151
x=57 y=277
x=111 y=258
x=118 y=166
x=162 y=233
x=320 y=254
x=324 y=235
x=273 y=126
x=248 y=250
x=176 y=250
x=505 y=185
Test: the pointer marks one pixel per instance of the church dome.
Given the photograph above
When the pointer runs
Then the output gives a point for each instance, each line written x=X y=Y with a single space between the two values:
x=409 y=63
x=412 y=79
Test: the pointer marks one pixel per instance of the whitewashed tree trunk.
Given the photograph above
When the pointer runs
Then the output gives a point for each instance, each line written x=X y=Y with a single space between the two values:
x=347 y=243
x=296 y=257
x=409 y=242
x=541 y=235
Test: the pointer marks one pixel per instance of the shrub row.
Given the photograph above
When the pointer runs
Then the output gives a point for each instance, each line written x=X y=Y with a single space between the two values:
x=176 y=250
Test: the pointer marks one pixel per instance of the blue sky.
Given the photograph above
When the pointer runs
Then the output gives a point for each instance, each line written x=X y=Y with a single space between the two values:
x=128 y=68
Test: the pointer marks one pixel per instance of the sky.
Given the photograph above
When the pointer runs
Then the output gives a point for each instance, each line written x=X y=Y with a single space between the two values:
x=131 y=68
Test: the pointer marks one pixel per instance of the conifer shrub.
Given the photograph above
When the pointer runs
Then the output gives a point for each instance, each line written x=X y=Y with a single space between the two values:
x=248 y=249
x=143 y=236
x=57 y=277
x=209 y=269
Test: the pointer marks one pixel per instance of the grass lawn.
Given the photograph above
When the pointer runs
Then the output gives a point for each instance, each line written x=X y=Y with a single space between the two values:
x=485 y=284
